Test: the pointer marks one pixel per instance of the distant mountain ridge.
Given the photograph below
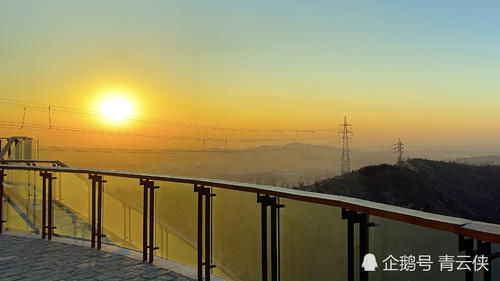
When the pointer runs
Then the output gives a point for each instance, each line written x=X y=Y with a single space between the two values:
x=453 y=189
x=481 y=160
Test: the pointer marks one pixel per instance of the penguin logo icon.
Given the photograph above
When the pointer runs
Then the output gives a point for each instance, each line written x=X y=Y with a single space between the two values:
x=369 y=262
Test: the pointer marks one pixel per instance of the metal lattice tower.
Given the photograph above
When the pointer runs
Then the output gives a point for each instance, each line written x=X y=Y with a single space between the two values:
x=345 y=133
x=399 y=149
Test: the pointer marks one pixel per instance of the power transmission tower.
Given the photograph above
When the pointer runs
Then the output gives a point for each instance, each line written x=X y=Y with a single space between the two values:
x=399 y=149
x=346 y=132
x=50 y=120
x=24 y=115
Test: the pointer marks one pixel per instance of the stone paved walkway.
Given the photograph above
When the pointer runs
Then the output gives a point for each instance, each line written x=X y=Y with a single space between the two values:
x=35 y=259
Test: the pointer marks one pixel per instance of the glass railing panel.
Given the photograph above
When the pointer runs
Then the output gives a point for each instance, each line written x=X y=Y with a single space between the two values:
x=22 y=201
x=71 y=205
x=14 y=220
x=122 y=218
x=176 y=222
x=389 y=237
x=313 y=242
x=236 y=235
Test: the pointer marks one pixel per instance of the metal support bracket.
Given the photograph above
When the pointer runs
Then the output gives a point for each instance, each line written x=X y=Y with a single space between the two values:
x=97 y=227
x=148 y=247
x=352 y=218
x=267 y=201
x=204 y=192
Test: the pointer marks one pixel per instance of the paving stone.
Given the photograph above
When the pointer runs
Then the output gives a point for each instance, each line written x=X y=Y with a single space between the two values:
x=35 y=259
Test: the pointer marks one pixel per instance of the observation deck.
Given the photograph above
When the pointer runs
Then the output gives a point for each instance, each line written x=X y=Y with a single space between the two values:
x=222 y=230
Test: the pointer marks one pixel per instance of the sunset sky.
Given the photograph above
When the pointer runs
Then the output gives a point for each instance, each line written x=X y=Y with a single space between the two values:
x=424 y=71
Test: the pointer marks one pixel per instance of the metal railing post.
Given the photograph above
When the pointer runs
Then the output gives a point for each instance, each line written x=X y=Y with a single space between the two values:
x=100 y=191
x=203 y=191
x=484 y=248
x=208 y=233
x=350 y=250
x=275 y=254
x=363 y=243
x=264 y=238
x=2 y=221
x=151 y=220
x=200 y=232
x=152 y=247
x=92 y=212
x=49 y=209
x=44 y=203
x=274 y=247
x=364 y=225
x=47 y=202
x=208 y=262
x=148 y=245
x=467 y=245
x=145 y=223
x=96 y=210
x=266 y=201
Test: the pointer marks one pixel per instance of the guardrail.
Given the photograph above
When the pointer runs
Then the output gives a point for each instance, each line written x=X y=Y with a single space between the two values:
x=54 y=163
x=354 y=211
x=11 y=143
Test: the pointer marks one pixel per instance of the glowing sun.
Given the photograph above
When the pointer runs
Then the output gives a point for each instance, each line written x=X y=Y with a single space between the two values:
x=116 y=108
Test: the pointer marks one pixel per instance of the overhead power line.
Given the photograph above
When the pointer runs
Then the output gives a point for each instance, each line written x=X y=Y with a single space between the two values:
x=35 y=126
x=260 y=149
x=52 y=109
